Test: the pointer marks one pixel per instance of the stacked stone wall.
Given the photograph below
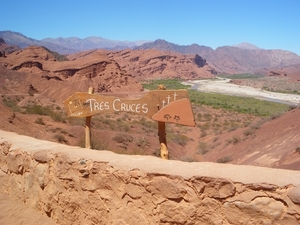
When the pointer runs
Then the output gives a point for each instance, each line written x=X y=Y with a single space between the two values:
x=80 y=186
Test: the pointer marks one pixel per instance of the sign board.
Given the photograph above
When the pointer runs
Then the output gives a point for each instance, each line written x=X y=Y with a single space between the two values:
x=160 y=105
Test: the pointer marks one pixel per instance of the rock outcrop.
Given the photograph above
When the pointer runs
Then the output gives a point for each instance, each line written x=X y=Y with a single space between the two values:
x=7 y=49
x=155 y=64
x=80 y=186
x=44 y=70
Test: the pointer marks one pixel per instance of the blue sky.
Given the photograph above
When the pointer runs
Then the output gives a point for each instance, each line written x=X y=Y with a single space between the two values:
x=264 y=23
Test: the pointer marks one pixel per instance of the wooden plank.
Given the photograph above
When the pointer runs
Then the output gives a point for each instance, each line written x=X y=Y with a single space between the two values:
x=178 y=111
x=82 y=104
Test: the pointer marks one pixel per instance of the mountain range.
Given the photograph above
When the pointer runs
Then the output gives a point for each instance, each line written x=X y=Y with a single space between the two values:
x=67 y=45
x=241 y=58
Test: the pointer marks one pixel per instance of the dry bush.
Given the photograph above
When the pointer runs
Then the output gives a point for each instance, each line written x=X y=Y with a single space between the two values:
x=122 y=138
x=40 y=121
x=225 y=159
x=60 y=138
x=203 y=148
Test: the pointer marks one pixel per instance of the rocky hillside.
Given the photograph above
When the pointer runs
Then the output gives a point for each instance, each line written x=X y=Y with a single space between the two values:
x=57 y=77
x=229 y=59
x=154 y=64
x=272 y=143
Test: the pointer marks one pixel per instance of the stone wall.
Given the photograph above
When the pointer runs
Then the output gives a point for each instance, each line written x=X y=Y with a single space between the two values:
x=79 y=186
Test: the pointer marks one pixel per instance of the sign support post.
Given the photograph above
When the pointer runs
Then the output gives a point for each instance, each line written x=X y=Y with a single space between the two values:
x=88 y=120
x=164 y=153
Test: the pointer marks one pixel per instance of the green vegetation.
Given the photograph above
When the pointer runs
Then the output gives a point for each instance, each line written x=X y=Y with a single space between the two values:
x=11 y=104
x=232 y=103
x=241 y=76
x=179 y=139
x=46 y=111
x=56 y=55
x=168 y=83
x=238 y=104
x=57 y=115
x=294 y=92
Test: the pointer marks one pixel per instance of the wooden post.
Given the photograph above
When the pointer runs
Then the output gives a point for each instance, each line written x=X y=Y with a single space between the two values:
x=88 y=126
x=164 y=154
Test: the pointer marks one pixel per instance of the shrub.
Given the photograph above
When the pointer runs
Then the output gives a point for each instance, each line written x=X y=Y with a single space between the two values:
x=234 y=140
x=39 y=120
x=123 y=138
x=11 y=104
x=225 y=159
x=124 y=117
x=202 y=148
x=180 y=139
x=203 y=134
x=249 y=131
x=142 y=142
x=298 y=149
x=60 y=138
x=99 y=143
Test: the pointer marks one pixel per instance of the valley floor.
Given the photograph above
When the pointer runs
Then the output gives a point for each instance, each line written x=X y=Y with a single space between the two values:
x=223 y=86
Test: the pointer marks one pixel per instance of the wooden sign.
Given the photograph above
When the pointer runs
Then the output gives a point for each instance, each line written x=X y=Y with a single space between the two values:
x=160 y=105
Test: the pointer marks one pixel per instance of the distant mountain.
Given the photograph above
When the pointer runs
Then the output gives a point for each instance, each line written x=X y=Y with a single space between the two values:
x=247 y=46
x=15 y=38
x=67 y=45
x=163 y=45
x=92 y=43
x=243 y=58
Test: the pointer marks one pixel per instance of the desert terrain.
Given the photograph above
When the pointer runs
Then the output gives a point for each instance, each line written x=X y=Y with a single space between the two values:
x=35 y=81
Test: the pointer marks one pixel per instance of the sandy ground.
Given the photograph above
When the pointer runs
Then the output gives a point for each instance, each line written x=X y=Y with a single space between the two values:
x=222 y=85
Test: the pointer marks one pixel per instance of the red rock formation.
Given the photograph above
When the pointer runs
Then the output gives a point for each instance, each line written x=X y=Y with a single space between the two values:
x=155 y=64
x=43 y=70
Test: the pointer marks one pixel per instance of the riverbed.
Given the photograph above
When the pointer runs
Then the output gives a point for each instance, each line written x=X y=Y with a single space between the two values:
x=223 y=86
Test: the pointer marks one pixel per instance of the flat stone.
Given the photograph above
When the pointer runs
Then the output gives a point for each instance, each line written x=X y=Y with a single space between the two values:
x=42 y=156
x=294 y=194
